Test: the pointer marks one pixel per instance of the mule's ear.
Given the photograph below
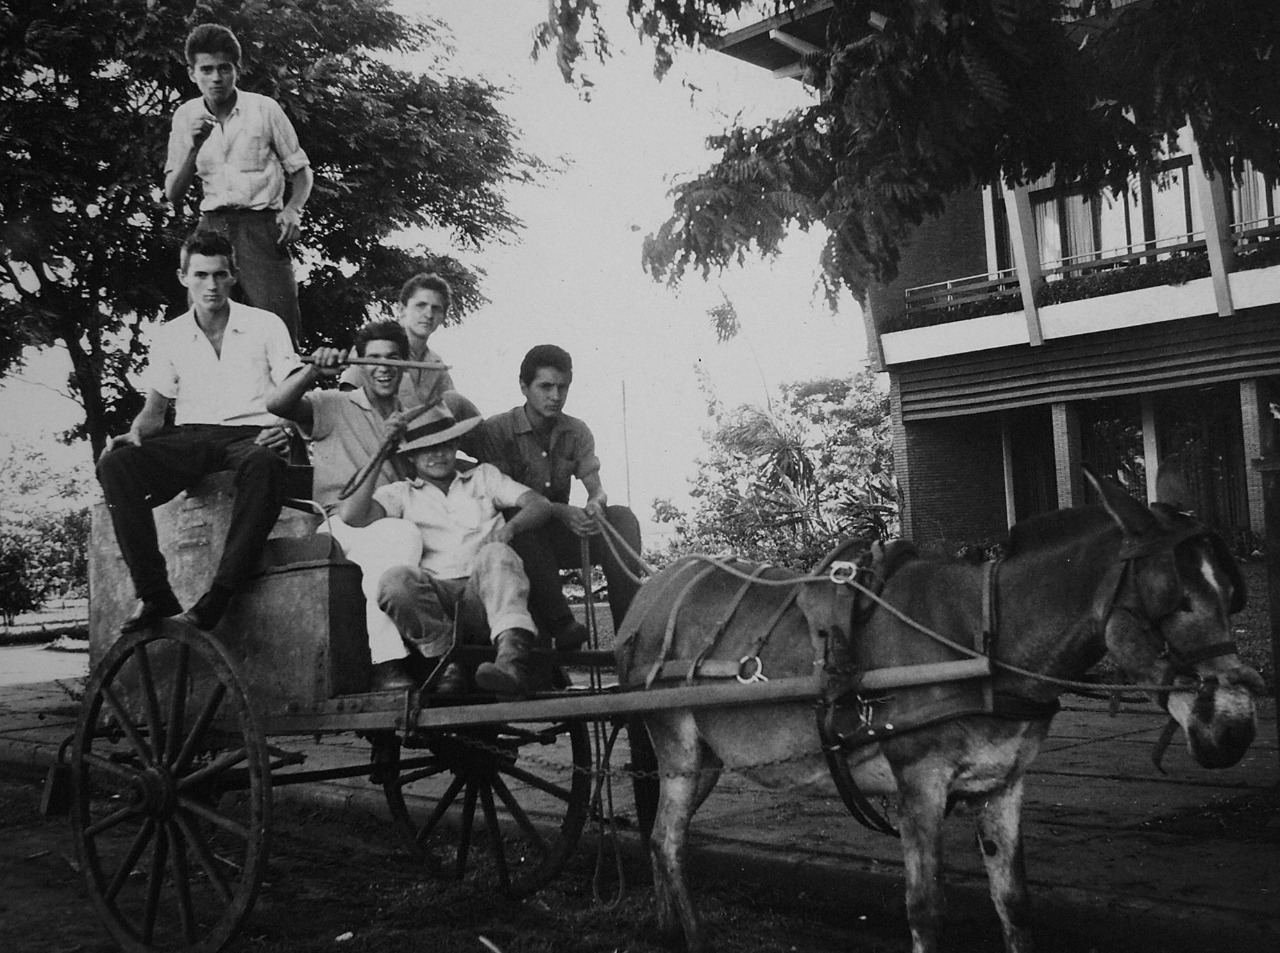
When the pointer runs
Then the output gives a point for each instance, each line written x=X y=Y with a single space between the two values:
x=1130 y=515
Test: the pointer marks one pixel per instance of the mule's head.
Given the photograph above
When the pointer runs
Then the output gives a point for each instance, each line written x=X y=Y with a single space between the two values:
x=1170 y=625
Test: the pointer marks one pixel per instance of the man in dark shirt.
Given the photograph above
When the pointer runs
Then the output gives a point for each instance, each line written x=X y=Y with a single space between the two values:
x=544 y=448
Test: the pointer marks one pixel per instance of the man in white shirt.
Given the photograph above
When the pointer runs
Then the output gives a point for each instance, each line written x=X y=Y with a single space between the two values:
x=242 y=147
x=216 y=364
x=467 y=572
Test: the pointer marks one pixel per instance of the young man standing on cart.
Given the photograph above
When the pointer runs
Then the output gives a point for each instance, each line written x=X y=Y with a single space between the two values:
x=347 y=429
x=215 y=364
x=469 y=576
x=243 y=148
x=540 y=445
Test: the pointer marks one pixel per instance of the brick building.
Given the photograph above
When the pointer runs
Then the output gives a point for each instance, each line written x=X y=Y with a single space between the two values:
x=1033 y=329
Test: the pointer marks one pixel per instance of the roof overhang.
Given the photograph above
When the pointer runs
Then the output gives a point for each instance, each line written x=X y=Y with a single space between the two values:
x=779 y=43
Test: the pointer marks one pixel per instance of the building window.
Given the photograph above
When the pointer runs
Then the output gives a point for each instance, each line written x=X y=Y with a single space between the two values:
x=1255 y=198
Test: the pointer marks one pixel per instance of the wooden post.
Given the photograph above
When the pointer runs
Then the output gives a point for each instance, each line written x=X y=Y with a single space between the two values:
x=1269 y=467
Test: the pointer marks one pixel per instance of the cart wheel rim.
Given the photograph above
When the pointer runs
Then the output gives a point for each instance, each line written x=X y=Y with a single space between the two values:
x=483 y=798
x=174 y=857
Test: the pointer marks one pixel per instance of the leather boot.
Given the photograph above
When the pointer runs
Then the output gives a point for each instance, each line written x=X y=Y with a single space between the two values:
x=512 y=672
x=452 y=681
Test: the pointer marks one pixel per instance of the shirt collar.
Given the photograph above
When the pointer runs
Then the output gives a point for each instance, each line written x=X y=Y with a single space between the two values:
x=360 y=397
x=462 y=475
x=235 y=320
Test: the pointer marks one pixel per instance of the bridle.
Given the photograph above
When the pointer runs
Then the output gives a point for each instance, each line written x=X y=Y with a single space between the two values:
x=1158 y=555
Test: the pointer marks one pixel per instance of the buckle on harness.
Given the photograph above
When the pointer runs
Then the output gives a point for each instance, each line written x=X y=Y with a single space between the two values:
x=751 y=670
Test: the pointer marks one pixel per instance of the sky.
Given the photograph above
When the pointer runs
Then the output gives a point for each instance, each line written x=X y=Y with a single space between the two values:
x=573 y=275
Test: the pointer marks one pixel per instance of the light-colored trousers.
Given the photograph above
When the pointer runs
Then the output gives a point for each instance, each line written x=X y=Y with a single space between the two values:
x=376 y=548
x=494 y=598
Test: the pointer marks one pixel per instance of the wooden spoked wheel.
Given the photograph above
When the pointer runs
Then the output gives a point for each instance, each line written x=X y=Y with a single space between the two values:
x=530 y=808
x=171 y=792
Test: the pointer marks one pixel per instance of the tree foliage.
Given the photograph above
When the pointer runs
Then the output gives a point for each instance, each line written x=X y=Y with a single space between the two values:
x=44 y=530
x=87 y=91
x=921 y=99
x=784 y=483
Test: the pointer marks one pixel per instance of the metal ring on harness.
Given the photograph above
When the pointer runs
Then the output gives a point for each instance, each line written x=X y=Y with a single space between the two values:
x=842 y=573
x=745 y=664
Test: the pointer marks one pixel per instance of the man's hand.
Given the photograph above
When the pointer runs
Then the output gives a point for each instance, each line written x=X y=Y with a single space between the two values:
x=290 y=222
x=275 y=437
x=328 y=360
x=201 y=125
x=129 y=439
x=581 y=522
x=396 y=424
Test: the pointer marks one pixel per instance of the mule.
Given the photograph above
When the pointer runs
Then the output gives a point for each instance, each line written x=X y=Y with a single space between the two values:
x=1151 y=586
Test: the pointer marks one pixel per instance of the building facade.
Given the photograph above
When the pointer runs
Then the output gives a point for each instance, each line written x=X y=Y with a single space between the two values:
x=1035 y=329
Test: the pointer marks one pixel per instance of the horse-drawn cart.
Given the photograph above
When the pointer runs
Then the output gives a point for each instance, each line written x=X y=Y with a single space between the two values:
x=790 y=679
x=183 y=735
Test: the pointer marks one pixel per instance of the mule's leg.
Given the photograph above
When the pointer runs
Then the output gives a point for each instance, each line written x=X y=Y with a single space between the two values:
x=689 y=770
x=922 y=798
x=1000 y=840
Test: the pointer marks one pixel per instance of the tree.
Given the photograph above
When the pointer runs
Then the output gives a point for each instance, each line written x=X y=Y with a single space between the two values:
x=921 y=99
x=44 y=529
x=89 y=246
x=784 y=484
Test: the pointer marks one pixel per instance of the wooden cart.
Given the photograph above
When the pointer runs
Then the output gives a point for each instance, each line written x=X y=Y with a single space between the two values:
x=182 y=736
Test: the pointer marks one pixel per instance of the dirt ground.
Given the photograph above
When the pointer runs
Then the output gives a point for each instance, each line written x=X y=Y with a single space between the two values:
x=345 y=882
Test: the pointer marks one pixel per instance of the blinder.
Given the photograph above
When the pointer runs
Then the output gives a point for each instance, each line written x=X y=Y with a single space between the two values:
x=1156 y=571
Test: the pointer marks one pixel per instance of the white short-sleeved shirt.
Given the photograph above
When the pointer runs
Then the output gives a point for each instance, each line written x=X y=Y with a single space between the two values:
x=453 y=526
x=230 y=389
x=244 y=161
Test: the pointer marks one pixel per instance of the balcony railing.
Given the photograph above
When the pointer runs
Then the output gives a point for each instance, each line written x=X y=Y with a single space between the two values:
x=942 y=295
x=1143 y=253
x=1171 y=260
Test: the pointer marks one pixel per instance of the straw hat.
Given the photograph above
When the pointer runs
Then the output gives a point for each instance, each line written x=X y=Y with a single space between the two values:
x=434 y=426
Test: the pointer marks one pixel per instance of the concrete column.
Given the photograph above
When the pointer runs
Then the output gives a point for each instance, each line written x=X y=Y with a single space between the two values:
x=1026 y=256
x=901 y=464
x=989 y=200
x=1255 y=418
x=1150 y=450
x=1067 y=455
x=875 y=350
x=1210 y=196
x=1006 y=446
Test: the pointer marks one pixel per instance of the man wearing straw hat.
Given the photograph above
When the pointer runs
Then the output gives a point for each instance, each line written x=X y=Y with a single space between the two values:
x=467 y=571
x=346 y=430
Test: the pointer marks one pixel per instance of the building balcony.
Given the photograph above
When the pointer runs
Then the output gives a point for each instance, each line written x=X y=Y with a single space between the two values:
x=1141 y=284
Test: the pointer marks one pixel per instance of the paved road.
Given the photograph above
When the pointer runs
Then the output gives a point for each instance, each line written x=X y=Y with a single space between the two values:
x=25 y=664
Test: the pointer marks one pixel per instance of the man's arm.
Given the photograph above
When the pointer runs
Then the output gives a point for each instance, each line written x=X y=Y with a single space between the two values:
x=360 y=508
x=182 y=165
x=149 y=420
x=289 y=218
x=533 y=511
x=286 y=400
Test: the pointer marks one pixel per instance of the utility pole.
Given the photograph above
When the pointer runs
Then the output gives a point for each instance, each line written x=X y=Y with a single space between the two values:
x=626 y=448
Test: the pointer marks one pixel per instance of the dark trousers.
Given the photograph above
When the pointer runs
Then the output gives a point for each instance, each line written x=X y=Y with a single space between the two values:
x=264 y=267
x=550 y=548
x=137 y=479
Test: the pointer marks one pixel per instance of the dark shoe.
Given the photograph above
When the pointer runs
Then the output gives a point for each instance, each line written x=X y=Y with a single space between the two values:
x=208 y=612
x=452 y=681
x=391 y=676
x=512 y=672
x=152 y=611
x=572 y=636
